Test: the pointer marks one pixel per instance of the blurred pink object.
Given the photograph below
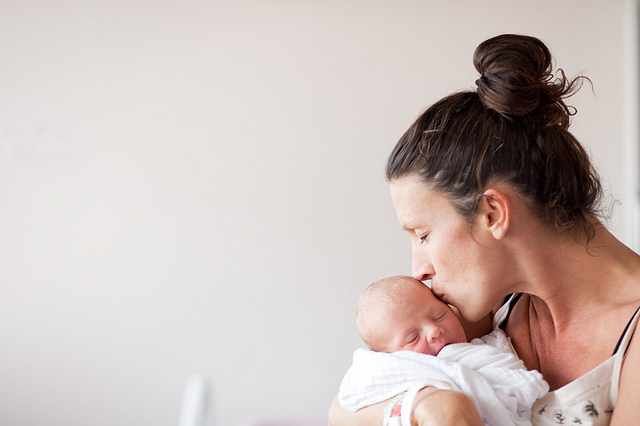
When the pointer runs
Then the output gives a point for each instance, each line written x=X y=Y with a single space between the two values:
x=290 y=422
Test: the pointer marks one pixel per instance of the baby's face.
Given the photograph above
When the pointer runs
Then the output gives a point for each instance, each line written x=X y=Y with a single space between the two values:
x=422 y=324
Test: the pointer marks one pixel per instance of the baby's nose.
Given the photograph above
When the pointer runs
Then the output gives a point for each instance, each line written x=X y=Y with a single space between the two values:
x=434 y=333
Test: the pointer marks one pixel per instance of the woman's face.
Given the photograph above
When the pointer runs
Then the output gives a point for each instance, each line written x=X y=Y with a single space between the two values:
x=459 y=258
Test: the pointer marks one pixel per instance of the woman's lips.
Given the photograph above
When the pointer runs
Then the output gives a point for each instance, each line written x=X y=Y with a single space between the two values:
x=436 y=293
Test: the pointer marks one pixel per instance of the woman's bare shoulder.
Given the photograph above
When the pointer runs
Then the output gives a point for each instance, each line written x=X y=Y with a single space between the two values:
x=519 y=331
x=627 y=410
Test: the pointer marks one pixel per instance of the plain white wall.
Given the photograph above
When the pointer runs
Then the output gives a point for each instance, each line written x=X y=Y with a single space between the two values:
x=197 y=187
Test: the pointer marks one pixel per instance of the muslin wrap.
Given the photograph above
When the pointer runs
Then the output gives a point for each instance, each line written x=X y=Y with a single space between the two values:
x=487 y=370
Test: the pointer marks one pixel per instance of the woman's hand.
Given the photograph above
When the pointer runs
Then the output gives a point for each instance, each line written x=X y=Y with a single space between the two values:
x=436 y=407
x=431 y=407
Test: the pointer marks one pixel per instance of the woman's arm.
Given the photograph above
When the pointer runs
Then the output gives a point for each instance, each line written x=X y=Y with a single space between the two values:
x=444 y=408
x=627 y=409
x=368 y=416
x=431 y=407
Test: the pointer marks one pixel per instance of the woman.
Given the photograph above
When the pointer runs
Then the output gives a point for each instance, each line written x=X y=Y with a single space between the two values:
x=500 y=199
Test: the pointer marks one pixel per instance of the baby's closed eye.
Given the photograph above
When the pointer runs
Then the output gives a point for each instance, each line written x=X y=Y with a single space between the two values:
x=412 y=338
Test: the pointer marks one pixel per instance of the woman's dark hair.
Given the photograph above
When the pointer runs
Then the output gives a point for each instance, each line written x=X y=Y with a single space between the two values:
x=513 y=129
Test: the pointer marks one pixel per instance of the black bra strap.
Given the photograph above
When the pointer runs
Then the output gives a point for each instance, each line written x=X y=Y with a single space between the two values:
x=624 y=332
x=515 y=299
x=513 y=302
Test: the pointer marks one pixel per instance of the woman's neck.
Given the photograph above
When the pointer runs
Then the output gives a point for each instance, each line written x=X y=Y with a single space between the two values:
x=566 y=279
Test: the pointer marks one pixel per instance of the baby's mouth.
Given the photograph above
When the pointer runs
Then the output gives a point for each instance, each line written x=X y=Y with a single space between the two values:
x=441 y=347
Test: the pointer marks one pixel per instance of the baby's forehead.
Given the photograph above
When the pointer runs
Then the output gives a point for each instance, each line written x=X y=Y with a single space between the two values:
x=400 y=285
x=412 y=290
x=392 y=294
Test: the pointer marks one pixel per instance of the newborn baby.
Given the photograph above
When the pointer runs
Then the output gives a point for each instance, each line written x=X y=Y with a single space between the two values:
x=415 y=340
x=402 y=314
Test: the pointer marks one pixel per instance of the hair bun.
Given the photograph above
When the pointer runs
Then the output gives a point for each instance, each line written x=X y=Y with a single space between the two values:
x=516 y=77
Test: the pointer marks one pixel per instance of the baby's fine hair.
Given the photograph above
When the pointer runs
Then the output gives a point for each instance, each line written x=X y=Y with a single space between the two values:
x=385 y=292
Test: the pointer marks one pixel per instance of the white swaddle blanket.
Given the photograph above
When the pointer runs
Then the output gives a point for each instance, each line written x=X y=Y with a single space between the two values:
x=486 y=370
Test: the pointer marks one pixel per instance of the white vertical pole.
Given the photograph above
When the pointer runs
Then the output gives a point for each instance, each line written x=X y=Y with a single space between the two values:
x=632 y=119
x=195 y=409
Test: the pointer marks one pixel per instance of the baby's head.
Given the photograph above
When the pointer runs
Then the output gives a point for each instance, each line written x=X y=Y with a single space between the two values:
x=402 y=314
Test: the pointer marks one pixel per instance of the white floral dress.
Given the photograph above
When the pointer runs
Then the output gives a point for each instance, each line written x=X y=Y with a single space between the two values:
x=588 y=400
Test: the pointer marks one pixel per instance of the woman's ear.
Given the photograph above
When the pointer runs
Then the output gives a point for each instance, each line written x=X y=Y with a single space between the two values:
x=495 y=212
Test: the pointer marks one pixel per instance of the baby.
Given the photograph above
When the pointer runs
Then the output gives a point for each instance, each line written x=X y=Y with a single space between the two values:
x=402 y=314
x=415 y=340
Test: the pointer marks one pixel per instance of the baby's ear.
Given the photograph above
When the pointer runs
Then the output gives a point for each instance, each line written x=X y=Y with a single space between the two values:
x=495 y=212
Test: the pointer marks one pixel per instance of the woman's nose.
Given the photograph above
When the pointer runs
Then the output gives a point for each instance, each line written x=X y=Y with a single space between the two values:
x=422 y=269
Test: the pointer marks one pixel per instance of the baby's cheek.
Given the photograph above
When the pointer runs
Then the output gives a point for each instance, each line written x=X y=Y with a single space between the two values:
x=423 y=348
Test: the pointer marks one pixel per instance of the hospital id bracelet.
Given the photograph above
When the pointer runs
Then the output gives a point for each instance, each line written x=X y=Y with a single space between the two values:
x=391 y=416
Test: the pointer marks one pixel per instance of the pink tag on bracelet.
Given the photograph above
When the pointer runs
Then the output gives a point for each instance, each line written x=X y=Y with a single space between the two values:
x=396 y=411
